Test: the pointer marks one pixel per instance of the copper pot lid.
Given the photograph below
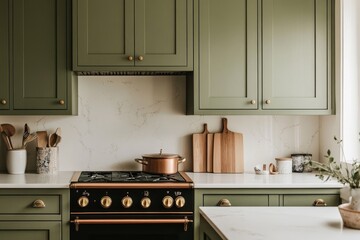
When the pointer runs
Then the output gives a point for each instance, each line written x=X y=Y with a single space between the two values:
x=161 y=155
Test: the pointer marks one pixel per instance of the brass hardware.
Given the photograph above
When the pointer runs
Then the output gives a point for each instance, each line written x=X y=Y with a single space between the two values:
x=319 y=203
x=145 y=202
x=106 y=201
x=140 y=58
x=83 y=201
x=224 y=203
x=253 y=102
x=180 y=202
x=168 y=201
x=3 y=101
x=127 y=202
x=130 y=58
x=78 y=221
x=38 y=204
x=61 y=102
x=267 y=101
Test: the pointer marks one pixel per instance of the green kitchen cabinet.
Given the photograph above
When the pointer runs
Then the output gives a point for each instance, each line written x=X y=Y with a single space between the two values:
x=132 y=35
x=262 y=57
x=35 y=214
x=35 y=55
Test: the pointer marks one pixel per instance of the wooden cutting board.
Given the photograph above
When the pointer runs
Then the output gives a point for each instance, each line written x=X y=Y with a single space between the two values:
x=200 y=150
x=228 y=151
x=209 y=153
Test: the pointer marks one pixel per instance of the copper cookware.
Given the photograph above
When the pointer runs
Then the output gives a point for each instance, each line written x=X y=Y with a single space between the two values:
x=162 y=163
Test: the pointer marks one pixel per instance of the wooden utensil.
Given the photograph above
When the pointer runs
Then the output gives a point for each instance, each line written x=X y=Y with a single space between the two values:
x=200 y=150
x=25 y=134
x=9 y=131
x=51 y=140
x=228 y=151
x=57 y=136
x=6 y=140
x=210 y=151
x=42 y=139
x=30 y=138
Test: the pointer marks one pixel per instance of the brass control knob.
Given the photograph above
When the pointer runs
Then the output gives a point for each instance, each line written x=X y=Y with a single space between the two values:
x=140 y=58
x=106 y=201
x=168 y=201
x=267 y=101
x=83 y=201
x=3 y=101
x=61 y=102
x=179 y=201
x=145 y=202
x=127 y=202
x=130 y=58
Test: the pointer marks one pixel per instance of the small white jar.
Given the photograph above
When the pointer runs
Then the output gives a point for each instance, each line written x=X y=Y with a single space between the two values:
x=16 y=161
x=284 y=165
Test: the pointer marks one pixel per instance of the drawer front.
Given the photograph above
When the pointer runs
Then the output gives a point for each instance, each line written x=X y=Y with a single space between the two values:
x=237 y=199
x=30 y=230
x=308 y=200
x=24 y=204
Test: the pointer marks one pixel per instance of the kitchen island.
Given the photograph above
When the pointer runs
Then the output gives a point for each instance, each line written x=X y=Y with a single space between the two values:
x=273 y=223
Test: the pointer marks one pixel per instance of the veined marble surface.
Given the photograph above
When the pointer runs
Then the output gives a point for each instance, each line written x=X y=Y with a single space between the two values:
x=252 y=180
x=278 y=223
x=34 y=180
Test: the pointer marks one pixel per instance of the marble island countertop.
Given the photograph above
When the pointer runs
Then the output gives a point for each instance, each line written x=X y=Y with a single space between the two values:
x=278 y=223
x=34 y=180
x=252 y=180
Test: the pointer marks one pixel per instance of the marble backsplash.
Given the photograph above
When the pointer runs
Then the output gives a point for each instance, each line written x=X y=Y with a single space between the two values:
x=122 y=118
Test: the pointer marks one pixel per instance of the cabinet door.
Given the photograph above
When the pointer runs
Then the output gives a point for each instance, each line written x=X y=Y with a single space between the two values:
x=44 y=230
x=39 y=54
x=161 y=32
x=296 y=54
x=103 y=32
x=227 y=54
x=4 y=54
x=307 y=200
x=237 y=199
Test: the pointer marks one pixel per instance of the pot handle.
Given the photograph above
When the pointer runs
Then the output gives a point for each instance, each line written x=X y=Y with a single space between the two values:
x=181 y=160
x=141 y=161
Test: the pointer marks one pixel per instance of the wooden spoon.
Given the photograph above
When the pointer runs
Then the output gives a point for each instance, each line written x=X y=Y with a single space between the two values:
x=41 y=139
x=29 y=139
x=25 y=134
x=9 y=131
x=58 y=136
x=52 y=140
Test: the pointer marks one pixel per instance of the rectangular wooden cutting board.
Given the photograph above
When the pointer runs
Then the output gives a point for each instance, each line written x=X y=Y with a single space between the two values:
x=200 y=150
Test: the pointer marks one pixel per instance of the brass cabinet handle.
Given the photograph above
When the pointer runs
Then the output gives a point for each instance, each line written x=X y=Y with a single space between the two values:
x=3 y=101
x=319 y=203
x=61 y=102
x=140 y=58
x=39 y=204
x=267 y=101
x=224 y=203
x=253 y=102
x=130 y=58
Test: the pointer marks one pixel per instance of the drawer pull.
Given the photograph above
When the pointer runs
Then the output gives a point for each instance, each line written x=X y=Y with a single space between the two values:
x=319 y=203
x=39 y=204
x=224 y=203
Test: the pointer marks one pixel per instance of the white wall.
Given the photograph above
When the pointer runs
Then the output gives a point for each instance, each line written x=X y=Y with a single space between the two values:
x=121 y=118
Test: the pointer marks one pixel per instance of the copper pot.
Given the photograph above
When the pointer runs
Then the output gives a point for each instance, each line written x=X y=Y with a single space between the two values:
x=162 y=163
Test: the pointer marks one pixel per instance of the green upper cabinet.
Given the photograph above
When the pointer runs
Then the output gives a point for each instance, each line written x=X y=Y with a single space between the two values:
x=132 y=35
x=296 y=54
x=4 y=55
x=38 y=79
x=262 y=57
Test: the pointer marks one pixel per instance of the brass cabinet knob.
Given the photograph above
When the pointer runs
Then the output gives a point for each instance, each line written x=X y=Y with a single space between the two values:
x=3 y=101
x=39 y=204
x=106 y=201
x=253 y=102
x=224 y=203
x=83 y=201
x=140 y=58
x=319 y=203
x=179 y=202
x=61 y=102
x=145 y=202
x=267 y=101
x=168 y=201
x=130 y=58
x=127 y=202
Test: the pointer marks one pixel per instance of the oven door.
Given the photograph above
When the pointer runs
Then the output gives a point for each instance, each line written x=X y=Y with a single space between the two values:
x=139 y=227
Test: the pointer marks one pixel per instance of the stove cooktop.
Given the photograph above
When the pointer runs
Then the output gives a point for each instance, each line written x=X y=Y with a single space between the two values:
x=127 y=177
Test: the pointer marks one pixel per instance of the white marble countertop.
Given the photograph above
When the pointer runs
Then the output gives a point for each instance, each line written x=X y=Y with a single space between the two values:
x=34 y=180
x=252 y=180
x=278 y=223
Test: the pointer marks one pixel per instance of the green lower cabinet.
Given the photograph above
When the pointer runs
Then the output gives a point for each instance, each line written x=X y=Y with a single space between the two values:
x=255 y=198
x=34 y=214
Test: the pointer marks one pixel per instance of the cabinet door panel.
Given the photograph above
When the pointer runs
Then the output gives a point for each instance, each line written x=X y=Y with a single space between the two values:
x=105 y=32
x=237 y=199
x=228 y=54
x=30 y=230
x=39 y=54
x=295 y=54
x=161 y=32
x=308 y=200
x=4 y=54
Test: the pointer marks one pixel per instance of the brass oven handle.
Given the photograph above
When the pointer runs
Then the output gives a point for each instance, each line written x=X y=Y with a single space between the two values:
x=184 y=221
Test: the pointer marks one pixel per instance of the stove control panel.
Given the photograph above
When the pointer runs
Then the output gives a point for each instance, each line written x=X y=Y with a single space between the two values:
x=131 y=200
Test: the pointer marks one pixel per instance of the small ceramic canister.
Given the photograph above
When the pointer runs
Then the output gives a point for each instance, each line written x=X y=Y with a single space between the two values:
x=298 y=162
x=16 y=161
x=284 y=165
x=47 y=160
